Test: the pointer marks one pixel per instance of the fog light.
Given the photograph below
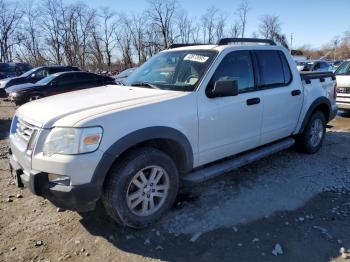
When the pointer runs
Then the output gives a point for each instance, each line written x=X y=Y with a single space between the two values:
x=59 y=180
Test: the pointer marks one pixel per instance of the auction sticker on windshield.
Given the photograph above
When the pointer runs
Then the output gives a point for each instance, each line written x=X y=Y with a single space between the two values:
x=196 y=58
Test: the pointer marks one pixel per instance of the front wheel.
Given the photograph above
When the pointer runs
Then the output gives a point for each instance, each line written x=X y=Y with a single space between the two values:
x=311 y=140
x=33 y=98
x=141 y=187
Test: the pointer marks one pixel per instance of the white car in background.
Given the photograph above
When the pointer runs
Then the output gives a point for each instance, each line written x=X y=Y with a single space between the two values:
x=343 y=82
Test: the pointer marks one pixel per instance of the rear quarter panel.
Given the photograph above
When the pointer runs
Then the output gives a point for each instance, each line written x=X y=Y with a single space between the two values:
x=312 y=92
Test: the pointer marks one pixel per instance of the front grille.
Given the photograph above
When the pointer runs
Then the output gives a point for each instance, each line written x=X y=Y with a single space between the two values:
x=343 y=90
x=25 y=132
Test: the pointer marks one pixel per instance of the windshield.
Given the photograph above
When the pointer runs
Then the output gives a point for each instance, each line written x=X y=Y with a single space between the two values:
x=47 y=79
x=125 y=73
x=343 y=69
x=28 y=73
x=7 y=68
x=174 y=70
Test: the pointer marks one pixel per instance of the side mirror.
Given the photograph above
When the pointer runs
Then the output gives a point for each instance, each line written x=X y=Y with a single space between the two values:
x=33 y=75
x=223 y=88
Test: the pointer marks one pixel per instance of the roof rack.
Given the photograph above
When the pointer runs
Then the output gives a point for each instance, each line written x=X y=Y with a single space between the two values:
x=226 y=41
x=182 y=45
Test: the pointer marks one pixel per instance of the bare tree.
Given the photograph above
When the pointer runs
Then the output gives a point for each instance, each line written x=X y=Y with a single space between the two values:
x=195 y=33
x=235 y=30
x=270 y=28
x=269 y=25
x=30 y=49
x=137 y=27
x=96 y=49
x=242 y=13
x=124 y=42
x=161 y=14
x=184 y=26
x=10 y=18
x=109 y=28
x=52 y=26
x=220 y=26
x=209 y=24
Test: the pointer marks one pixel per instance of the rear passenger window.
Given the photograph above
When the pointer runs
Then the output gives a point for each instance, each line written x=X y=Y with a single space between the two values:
x=66 y=79
x=286 y=69
x=273 y=67
x=88 y=77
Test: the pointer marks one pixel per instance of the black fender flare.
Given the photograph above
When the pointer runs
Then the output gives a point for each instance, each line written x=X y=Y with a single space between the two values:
x=319 y=101
x=136 y=137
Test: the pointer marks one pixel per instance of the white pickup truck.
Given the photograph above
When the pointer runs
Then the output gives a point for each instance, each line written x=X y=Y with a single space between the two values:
x=188 y=114
x=343 y=83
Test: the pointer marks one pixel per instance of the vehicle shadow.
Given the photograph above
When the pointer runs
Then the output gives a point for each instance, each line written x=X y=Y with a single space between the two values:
x=5 y=125
x=345 y=114
x=223 y=243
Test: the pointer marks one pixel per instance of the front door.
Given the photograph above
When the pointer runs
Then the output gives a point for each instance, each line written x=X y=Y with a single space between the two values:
x=230 y=125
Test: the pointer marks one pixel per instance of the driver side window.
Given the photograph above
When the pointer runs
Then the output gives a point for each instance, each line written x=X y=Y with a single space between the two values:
x=42 y=73
x=238 y=66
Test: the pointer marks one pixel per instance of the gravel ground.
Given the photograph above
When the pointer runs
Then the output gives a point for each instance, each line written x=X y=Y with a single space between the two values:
x=288 y=207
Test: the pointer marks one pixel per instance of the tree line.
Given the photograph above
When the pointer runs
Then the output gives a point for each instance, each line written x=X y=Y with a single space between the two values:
x=53 y=32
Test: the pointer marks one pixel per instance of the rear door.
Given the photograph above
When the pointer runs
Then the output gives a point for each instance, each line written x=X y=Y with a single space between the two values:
x=281 y=94
x=90 y=80
x=64 y=83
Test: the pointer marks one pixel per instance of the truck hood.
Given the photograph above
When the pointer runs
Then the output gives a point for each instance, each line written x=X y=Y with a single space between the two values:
x=343 y=80
x=89 y=102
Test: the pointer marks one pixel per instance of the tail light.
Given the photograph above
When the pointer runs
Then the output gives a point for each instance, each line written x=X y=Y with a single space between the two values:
x=335 y=91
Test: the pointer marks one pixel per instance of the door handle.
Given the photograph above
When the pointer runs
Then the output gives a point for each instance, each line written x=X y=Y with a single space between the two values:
x=253 y=101
x=296 y=92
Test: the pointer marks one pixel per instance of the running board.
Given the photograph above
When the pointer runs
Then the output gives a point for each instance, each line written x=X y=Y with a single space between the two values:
x=231 y=164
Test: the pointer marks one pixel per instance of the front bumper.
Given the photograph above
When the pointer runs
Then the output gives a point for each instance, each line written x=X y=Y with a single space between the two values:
x=2 y=92
x=16 y=99
x=79 y=198
x=343 y=106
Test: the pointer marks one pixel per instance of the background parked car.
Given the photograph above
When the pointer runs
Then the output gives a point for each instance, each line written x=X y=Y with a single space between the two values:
x=56 y=84
x=122 y=76
x=33 y=76
x=300 y=65
x=2 y=76
x=337 y=63
x=21 y=68
x=343 y=82
x=8 y=69
x=317 y=66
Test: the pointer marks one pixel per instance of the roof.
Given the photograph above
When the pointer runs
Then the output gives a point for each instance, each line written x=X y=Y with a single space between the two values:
x=231 y=43
x=220 y=48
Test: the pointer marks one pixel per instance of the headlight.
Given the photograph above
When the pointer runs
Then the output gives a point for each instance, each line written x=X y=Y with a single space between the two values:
x=13 y=94
x=72 y=141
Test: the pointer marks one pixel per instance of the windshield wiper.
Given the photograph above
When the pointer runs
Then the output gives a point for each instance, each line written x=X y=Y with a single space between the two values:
x=146 y=84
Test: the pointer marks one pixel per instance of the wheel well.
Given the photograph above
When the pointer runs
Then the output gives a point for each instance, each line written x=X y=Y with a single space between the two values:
x=318 y=105
x=169 y=147
x=324 y=108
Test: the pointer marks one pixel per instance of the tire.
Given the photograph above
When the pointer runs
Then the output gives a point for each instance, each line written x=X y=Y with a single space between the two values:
x=308 y=142
x=33 y=98
x=120 y=187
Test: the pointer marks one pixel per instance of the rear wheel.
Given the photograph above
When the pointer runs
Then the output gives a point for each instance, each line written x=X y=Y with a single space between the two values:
x=141 y=187
x=311 y=140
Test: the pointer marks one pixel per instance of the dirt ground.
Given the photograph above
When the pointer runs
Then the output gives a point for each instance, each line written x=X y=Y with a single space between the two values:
x=298 y=202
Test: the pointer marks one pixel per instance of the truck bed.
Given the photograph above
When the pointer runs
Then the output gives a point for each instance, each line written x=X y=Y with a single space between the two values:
x=308 y=76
